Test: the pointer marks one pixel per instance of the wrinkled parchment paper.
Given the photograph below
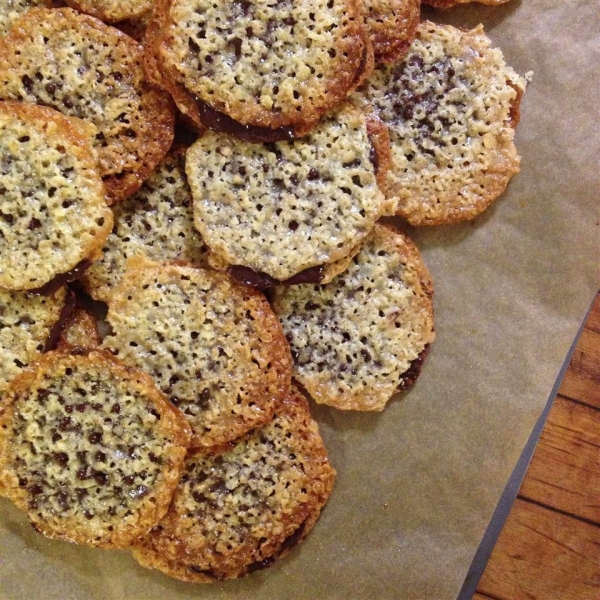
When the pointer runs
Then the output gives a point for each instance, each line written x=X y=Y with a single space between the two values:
x=417 y=484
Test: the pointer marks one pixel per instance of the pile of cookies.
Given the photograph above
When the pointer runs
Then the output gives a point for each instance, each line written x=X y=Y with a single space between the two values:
x=191 y=242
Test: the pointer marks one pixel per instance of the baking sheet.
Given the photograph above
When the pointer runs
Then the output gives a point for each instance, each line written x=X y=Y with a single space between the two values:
x=418 y=483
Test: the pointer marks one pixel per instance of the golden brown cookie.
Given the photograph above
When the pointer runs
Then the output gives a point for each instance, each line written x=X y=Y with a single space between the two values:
x=214 y=347
x=156 y=221
x=11 y=10
x=286 y=210
x=392 y=26
x=53 y=215
x=263 y=72
x=111 y=11
x=362 y=337
x=238 y=509
x=84 y=68
x=451 y=106
x=90 y=449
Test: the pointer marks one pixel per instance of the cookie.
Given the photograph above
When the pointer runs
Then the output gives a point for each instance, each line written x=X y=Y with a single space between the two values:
x=237 y=510
x=451 y=106
x=214 y=347
x=361 y=338
x=53 y=215
x=28 y=324
x=84 y=68
x=11 y=10
x=90 y=449
x=156 y=221
x=392 y=26
x=281 y=209
x=262 y=72
x=111 y=11
x=80 y=331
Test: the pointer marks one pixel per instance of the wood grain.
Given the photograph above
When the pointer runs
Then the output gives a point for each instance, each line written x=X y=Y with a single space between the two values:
x=549 y=548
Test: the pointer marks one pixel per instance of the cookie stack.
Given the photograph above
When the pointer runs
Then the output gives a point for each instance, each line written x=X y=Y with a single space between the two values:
x=156 y=354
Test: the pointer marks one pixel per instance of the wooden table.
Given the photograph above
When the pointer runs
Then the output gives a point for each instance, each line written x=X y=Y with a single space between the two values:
x=549 y=548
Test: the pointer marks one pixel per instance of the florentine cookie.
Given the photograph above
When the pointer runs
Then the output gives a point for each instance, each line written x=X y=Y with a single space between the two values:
x=11 y=10
x=392 y=26
x=214 y=347
x=451 y=107
x=27 y=328
x=359 y=339
x=239 y=509
x=80 y=331
x=53 y=214
x=111 y=11
x=156 y=221
x=90 y=449
x=84 y=68
x=263 y=72
x=282 y=208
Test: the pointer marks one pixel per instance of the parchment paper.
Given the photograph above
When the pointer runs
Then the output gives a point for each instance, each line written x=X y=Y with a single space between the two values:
x=418 y=483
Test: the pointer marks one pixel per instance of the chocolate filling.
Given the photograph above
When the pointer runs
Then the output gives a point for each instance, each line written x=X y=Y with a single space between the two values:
x=374 y=156
x=59 y=326
x=62 y=279
x=288 y=543
x=262 y=281
x=409 y=376
x=213 y=119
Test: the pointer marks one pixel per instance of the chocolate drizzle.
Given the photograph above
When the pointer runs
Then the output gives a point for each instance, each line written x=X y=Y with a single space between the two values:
x=262 y=281
x=58 y=327
x=62 y=279
x=213 y=119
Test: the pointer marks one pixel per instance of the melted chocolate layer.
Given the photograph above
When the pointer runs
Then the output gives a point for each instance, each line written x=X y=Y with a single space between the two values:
x=262 y=281
x=62 y=279
x=213 y=119
x=58 y=327
x=412 y=373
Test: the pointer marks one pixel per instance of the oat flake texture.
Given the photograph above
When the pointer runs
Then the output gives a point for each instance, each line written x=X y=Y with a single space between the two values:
x=451 y=106
x=90 y=449
x=84 y=68
x=214 y=347
x=354 y=339
x=285 y=207
x=53 y=213
x=237 y=509
x=265 y=65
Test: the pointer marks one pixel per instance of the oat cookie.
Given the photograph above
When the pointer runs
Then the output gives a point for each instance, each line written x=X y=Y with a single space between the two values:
x=11 y=10
x=451 y=106
x=156 y=221
x=111 y=11
x=84 y=68
x=90 y=449
x=237 y=510
x=214 y=347
x=282 y=208
x=264 y=72
x=392 y=26
x=27 y=326
x=53 y=214
x=359 y=339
